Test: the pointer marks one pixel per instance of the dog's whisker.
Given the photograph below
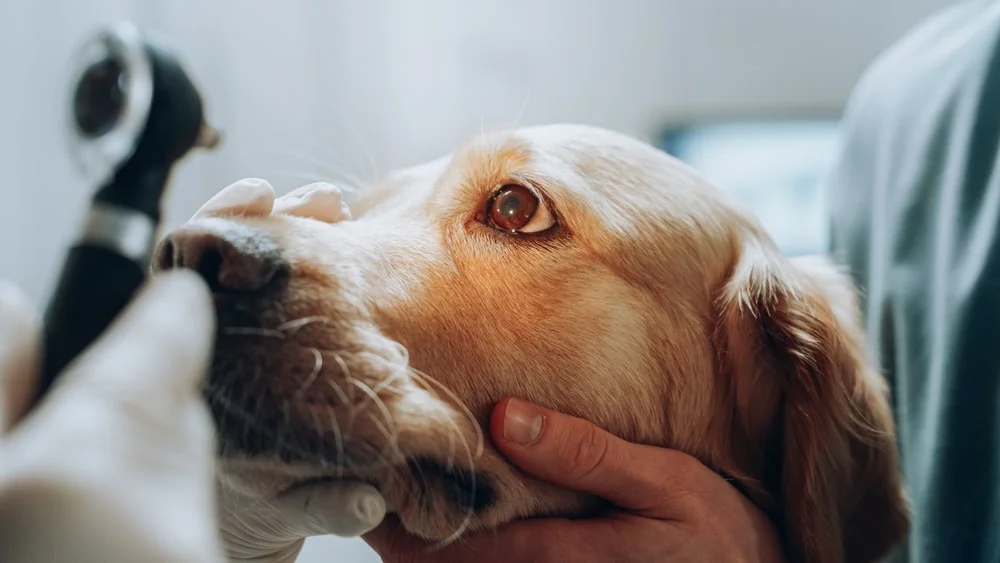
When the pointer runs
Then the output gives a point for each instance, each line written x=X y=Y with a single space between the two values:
x=419 y=376
x=341 y=396
x=317 y=368
x=252 y=331
x=338 y=443
x=458 y=403
x=295 y=325
x=347 y=376
x=457 y=431
x=209 y=391
x=354 y=135
x=470 y=511
x=360 y=141
x=392 y=439
x=450 y=463
x=379 y=404
x=233 y=409
x=388 y=382
x=468 y=453
x=260 y=401
x=470 y=457
x=286 y=412
x=327 y=166
x=461 y=453
x=320 y=431
x=520 y=114
x=346 y=184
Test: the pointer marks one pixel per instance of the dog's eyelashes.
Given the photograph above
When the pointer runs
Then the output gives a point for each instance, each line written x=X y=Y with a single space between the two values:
x=514 y=208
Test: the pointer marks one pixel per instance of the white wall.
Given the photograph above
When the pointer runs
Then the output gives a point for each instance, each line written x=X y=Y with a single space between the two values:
x=311 y=89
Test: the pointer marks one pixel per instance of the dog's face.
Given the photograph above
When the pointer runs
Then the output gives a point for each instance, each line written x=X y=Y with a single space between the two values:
x=575 y=268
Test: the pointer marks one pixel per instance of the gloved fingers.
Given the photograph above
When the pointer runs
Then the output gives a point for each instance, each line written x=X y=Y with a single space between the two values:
x=343 y=508
x=18 y=355
x=249 y=197
x=320 y=201
x=156 y=353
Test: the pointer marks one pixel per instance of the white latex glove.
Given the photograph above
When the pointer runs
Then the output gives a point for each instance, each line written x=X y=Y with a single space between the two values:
x=116 y=464
x=274 y=530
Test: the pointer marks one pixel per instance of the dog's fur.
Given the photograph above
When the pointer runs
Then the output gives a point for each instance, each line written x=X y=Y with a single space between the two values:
x=653 y=308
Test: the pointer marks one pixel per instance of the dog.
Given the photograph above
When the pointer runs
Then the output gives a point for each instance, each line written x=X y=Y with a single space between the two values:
x=571 y=266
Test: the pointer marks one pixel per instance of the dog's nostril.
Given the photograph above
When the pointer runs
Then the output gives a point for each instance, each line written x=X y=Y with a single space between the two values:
x=209 y=267
x=229 y=256
x=165 y=255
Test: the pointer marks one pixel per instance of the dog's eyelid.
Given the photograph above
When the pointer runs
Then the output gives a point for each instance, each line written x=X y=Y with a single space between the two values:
x=545 y=203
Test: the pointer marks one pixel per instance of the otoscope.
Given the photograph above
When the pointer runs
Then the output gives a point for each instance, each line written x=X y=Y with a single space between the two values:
x=135 y=113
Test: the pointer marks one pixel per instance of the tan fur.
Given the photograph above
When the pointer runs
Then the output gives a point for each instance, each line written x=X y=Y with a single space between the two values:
x=655 y=309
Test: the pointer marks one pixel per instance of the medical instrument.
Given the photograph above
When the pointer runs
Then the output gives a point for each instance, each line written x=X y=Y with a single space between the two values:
x=134 y=115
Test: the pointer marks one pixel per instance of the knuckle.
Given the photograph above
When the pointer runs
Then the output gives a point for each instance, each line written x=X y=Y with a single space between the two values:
x=688 y=490
x=686 y=468
x=587 y=452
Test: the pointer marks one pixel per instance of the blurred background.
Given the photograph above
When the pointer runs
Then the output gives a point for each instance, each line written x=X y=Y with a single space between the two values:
x=747 y=91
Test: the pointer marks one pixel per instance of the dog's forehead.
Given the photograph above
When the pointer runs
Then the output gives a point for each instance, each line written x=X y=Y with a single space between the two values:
x=401 y=190
x=593 y=176
x=578 y=147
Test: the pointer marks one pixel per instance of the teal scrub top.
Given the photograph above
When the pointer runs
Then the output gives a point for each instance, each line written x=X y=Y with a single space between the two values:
x=915 y=207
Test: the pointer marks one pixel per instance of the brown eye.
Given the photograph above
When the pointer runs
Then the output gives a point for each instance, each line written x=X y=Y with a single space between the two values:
x=517 y=209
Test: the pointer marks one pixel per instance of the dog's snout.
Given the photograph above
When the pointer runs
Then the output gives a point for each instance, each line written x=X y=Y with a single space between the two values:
x=229 y=256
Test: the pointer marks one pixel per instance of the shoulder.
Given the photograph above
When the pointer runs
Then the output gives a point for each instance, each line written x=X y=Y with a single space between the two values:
x=944 y=52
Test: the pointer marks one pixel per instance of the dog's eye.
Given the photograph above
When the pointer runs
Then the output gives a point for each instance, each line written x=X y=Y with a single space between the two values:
x=517 y=209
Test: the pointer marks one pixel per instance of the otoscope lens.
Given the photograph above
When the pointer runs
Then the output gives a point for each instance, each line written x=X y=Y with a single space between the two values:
x=100 y=97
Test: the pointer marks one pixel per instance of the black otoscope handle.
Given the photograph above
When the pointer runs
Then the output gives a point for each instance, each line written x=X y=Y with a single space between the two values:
x=96 y=284
x=136 y=108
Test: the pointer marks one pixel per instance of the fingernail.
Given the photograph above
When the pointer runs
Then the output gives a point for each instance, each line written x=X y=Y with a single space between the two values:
x=522 y=422
x=249 y=196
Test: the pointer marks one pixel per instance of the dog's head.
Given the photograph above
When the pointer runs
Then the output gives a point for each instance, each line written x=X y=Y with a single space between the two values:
x=572 y=267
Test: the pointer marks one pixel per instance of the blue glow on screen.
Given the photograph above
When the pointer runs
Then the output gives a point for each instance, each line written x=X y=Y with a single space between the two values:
x=776 y=169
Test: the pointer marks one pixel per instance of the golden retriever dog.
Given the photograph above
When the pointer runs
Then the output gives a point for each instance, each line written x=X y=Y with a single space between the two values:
x=570 y=266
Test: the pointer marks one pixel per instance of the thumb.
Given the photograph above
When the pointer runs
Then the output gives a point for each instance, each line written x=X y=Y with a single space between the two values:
x=344 y=508
x=156 y=353
x=571 y=452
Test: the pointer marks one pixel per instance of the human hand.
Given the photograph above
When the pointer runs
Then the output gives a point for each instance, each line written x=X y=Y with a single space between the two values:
x=274 y=530
x=669 y=507
x=115 y=464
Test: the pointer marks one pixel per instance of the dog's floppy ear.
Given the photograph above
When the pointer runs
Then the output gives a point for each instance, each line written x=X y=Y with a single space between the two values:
x=797 y=379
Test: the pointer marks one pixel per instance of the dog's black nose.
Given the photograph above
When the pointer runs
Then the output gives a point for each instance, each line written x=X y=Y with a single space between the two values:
x=230 y=256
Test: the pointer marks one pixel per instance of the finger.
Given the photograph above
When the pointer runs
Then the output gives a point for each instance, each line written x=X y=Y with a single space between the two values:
x=18 y=355
x=250 y=197
x=576 y=454
x=156 y=352
x=345 y=509
x=319 y=201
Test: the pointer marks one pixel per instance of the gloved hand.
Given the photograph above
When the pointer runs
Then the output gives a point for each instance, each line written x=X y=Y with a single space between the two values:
x=273 y=531
x=116 y=464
